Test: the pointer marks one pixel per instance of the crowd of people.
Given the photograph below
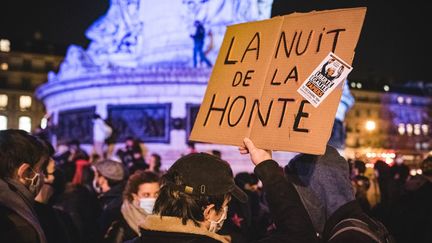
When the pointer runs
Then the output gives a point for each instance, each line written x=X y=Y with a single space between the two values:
x=70 y=196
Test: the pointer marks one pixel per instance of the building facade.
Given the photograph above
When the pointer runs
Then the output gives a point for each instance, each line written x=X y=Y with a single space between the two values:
x=385 y=124
x=22 y=70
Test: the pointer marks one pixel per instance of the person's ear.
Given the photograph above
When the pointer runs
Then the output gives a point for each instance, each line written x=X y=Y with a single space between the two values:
x=209 y=211
x=21 y=172
x=101 y=180
x=135 y=197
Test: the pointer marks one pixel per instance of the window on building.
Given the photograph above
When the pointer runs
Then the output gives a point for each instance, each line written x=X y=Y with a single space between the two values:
x=44 y=123
x=3 y=101
x=400 y=99
x=3 y=81
x=408 y=100
x=25 y=102
x=401 y=128
x=409 y=129
x=4 y=45
x=425 y=129
x=27 y=65
x=357 y=113
x=24 y=123
x=26 y=83
x=49 y=66
x=417 y=130
x=3 y=123
x=4 y=66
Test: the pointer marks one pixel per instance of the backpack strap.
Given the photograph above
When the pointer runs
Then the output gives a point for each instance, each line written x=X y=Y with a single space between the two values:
x=353 y=224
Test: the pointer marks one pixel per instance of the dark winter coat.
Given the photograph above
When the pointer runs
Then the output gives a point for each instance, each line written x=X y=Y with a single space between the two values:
x=18 y=220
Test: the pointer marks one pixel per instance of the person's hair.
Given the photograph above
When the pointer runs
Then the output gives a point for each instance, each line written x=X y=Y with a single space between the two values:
x=18 y=147
x=135 y=180
x=243 y=178
x=74 y=142
x=216 y=153
x=360 y=166
x=112 y=183
x=426 y=166
x=176 y=203
x=158 y=162
x=383 y=169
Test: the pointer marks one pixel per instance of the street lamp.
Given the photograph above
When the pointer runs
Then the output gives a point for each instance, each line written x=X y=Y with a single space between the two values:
x=370 y=125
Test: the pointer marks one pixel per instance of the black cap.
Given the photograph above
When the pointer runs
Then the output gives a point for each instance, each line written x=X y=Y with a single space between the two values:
x=205 y=174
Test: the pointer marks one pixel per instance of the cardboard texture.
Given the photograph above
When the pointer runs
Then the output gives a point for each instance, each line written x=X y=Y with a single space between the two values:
x=252 y=91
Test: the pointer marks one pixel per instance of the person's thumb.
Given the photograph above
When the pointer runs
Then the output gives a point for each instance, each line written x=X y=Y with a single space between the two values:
x=249 y=144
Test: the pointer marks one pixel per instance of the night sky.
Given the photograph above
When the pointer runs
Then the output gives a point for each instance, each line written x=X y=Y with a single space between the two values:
x=393 y=45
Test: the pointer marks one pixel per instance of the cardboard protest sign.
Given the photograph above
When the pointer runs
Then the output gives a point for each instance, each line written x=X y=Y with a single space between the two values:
x=252 y=90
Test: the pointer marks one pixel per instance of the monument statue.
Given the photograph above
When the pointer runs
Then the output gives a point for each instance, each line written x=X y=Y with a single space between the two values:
x=143 y=33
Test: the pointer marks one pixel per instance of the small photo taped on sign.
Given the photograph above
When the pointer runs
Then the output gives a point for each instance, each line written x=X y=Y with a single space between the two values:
x=324 y=79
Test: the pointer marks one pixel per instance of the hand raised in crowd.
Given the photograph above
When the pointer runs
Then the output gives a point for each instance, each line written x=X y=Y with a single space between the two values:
x=257 y=155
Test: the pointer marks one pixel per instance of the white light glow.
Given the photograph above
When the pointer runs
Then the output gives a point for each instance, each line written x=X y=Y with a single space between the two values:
x=4 y=66
x=370 y=125
x=4 y=45
x=3 y=101
x=24 y=123
x=3 y=122
x=25 y=102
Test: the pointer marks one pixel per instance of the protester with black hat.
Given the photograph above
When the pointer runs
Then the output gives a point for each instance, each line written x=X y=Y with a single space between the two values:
x=193 y=200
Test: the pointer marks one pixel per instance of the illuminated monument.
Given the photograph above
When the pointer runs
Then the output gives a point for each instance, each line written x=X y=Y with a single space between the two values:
x=138 y=71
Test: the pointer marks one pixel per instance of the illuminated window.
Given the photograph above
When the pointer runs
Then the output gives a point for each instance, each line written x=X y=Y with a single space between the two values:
x=408 y=100
x=400 y=99
x=25 y=102
x=44 y=123
x=4 y=45
x=24 y=123
x=4 y=66
x=409 y=129
x=3 y=101
x=401 y=128
x=425 y=129
x=353 y=85
x=3 y=122
x=417 y=129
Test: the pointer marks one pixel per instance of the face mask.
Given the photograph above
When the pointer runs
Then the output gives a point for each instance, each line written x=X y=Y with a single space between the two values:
x=96 y=187
x=147 y=204
x=215 y=226
x=35 y=183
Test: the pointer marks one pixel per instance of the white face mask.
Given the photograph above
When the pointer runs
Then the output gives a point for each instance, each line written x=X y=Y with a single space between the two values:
x=147 y=204
x=96 y=187
x=35 y=183
x=215 y=226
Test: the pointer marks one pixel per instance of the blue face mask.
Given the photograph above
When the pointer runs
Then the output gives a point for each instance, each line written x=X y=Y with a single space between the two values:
x=147 y=204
